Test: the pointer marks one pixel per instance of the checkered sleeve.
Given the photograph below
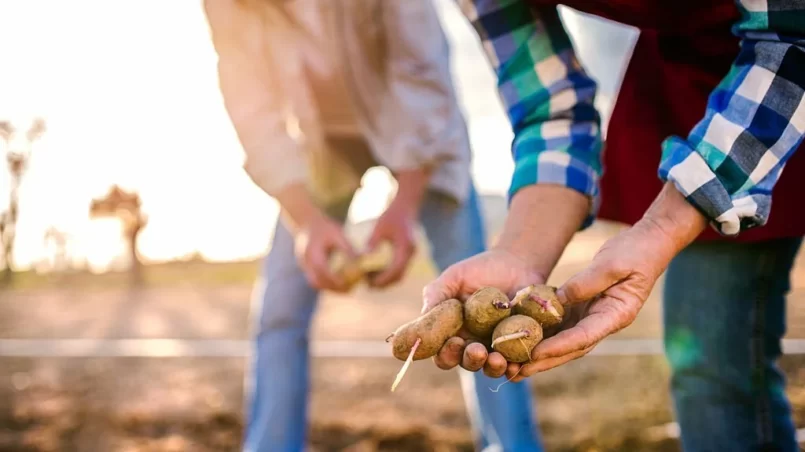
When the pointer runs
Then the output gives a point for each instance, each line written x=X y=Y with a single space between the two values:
x=755 y=120
x=548 y=97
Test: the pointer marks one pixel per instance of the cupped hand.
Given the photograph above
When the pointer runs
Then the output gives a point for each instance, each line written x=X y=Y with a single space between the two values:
x=498 y=268
x=603 y=298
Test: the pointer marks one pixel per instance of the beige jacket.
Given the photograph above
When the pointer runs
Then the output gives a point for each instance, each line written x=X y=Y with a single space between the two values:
x=396 y=58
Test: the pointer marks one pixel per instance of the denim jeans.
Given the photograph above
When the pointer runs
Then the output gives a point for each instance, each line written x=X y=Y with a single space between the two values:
x=724 y=313
x=277 y=393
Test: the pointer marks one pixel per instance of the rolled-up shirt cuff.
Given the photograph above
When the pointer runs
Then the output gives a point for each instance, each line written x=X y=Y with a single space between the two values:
x=558 y=168
x=729 y=214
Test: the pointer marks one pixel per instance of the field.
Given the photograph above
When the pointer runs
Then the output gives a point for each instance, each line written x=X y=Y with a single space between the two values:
x=195 y=403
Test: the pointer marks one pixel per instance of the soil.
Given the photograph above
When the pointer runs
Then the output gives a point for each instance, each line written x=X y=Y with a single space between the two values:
x=597 y=403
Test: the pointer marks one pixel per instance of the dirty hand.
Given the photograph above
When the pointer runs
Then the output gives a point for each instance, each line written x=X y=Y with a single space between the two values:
x=528 y=248
x=607 y=296
x=498 y=268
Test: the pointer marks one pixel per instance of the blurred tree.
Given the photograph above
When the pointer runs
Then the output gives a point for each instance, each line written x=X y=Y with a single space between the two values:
x=127 y=207
x=18 y=154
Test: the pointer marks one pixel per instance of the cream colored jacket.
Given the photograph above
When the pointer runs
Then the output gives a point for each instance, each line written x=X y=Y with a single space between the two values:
x=396 y=58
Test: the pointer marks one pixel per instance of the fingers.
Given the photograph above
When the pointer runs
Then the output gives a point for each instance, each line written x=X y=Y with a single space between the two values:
x=339 y=241
x=575 y=342
x=450 y=354
x=317 y=256
x=495 y=365
x=317 y=266
x=378 y=236
x=475 y=355
x=318 y=272
x=445 y=287
x=403 y=250
x=606 y=316
x=547 y=364
x=590 y=282
x=514 y=372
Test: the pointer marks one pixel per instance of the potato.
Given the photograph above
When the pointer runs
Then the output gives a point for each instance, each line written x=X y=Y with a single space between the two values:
x=515 y=337
x=539 y=302
x=433 y=328
x=484 y=310
x=364 y=266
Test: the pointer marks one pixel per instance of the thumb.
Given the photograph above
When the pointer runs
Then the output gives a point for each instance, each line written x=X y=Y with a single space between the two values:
x=445 y=287
x=590 y=282
x=340 y=242
x=375 y=239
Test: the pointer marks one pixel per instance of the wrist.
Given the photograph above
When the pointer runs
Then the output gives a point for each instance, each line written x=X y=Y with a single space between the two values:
x=411 y=188
x=541 y=221
x=673 y=219
x=298 y=209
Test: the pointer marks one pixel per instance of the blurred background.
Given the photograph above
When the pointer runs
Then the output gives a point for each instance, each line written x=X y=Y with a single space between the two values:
x=134 y=239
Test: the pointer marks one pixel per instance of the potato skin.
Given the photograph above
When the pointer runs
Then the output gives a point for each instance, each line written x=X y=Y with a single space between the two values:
x=539 y=302
x=484 y=310
x=367 y=265
x=518 y=350
x=352 y=273
x=434 y=327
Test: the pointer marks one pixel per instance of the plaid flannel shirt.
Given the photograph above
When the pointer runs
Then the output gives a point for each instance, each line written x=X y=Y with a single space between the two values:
x=730 y=161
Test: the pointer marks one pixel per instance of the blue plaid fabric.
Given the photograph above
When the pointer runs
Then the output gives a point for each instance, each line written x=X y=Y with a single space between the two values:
x=547 y=95
x=730 y=161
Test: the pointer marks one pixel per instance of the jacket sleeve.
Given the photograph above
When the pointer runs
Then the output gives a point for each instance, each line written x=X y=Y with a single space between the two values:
x=754 y=122
x=258 y=108
x=425 y=106
x=549 y=98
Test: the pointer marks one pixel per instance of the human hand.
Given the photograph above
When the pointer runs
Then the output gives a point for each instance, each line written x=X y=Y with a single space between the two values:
x=498 y=268
x=607 y=296
x=315 y=241
x=602 y=299
x=395 y=226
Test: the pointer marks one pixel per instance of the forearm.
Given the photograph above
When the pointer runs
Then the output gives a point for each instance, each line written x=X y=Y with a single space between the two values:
x=542 y=219
x=549 y=99
x=411 y=188
x=298 y=208
x=676 y=220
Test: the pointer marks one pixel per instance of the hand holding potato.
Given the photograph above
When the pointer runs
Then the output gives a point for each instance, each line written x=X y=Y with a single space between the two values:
x=511 y=327
x=315 y=242
x=603 y=298
x=496 y=268
x=395 y=227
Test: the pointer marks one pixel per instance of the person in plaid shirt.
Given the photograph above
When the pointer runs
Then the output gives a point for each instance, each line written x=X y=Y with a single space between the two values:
x=726 y=131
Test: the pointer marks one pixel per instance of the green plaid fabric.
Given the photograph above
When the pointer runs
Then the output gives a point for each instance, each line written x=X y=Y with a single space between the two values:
x=547 y=95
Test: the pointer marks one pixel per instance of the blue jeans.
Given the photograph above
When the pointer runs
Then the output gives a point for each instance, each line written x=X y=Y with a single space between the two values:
x=278 y=391
x=724 y=314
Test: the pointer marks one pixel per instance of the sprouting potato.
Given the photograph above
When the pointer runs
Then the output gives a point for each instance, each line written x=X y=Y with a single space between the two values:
x=539 y=302
x=432 y=328
x=364 y=266
x=515 y=337
x=484 y=310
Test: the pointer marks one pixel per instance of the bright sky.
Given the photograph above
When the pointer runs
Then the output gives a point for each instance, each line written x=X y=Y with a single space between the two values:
x=129 y=92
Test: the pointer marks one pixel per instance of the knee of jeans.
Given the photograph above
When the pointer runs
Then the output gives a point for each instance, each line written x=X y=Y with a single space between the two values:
x=285 y=305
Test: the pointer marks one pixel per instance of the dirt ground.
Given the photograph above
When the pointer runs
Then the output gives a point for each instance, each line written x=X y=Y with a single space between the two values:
x=174 y=405
x=195 y=404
